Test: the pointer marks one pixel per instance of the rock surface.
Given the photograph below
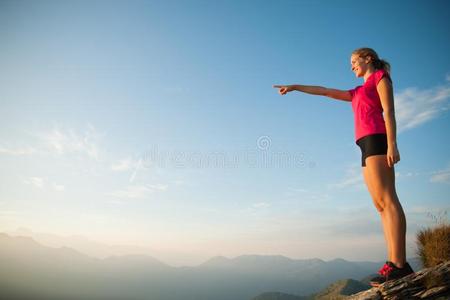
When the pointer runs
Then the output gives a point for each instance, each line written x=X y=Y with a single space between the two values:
x=430 y=283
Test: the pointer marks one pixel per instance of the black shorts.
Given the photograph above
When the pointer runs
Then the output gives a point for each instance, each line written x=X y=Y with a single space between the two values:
x=374 y=144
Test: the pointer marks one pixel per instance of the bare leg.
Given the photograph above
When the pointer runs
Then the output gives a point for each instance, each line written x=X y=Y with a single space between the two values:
x=386 y=236
x=395 y=223
x=382 y=182
x=380 y=210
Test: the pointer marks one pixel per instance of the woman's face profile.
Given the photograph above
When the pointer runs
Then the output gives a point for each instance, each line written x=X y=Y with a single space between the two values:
x=359 y=65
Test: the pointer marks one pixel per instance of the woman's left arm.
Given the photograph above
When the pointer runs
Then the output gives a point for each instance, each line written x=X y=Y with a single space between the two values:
x=386 y=93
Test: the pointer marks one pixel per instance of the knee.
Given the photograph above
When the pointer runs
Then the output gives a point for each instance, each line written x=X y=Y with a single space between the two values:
x=385 y=201
x=380 y=203
x=380 y=207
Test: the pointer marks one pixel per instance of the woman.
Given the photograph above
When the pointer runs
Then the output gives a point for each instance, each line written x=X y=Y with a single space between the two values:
x=376 y=137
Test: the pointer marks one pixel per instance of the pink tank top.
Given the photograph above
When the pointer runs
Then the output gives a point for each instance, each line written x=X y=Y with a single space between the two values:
x=366 y=106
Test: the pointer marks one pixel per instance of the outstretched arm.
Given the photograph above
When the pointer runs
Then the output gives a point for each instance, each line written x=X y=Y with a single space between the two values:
x=315 y=90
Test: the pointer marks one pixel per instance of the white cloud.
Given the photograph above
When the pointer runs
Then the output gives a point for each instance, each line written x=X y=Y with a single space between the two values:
x=411 y=174
x=58 y=140
x=138 y=191
x=160 y=187
x=296 y=190
x=44 y=184
x=354 y=177
x=125 y=165
x=349 y=181
x=68 y=141
x=36 y=181
x=137 y=167
x=17 y=151
x=305 y=195
x=132 y=192
x=260 y=205
x=441 y=177
x=414 y=107
x=255 y=209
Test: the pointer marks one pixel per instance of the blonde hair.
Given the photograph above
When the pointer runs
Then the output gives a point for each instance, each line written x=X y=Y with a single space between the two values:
x=377 y=63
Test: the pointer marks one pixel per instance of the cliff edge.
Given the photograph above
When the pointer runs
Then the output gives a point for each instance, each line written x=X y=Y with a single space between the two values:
x=429 y=283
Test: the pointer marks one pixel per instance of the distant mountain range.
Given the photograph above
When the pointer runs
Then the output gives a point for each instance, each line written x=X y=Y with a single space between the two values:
x=30 y=270
x=81 y=244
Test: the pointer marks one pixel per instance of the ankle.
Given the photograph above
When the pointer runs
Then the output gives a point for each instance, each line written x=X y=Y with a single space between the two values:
x=399 y=264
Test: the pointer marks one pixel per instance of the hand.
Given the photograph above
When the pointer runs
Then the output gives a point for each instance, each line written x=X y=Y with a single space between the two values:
x=284 y=89
x=393 y=155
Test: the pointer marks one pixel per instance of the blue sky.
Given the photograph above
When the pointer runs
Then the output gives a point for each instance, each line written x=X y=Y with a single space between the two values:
x=154 y=123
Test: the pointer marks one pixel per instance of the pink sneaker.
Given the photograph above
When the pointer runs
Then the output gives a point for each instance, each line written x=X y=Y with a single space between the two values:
x=391 y=272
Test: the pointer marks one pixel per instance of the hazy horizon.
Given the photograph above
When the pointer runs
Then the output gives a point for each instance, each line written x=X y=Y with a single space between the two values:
x=102 y=250
x=31 y=270
x=155 y=124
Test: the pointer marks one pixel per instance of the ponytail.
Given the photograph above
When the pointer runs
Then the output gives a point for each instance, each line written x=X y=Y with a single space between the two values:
x=381 y=64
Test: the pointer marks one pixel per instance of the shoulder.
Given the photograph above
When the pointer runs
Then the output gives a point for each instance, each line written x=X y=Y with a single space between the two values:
x=383 y=84
x=380 y=74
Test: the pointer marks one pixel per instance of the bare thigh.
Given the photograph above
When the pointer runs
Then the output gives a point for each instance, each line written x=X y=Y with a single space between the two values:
x=380 y=179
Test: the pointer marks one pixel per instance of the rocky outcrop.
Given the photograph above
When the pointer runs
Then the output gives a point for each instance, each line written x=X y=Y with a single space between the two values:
x=429 y=283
